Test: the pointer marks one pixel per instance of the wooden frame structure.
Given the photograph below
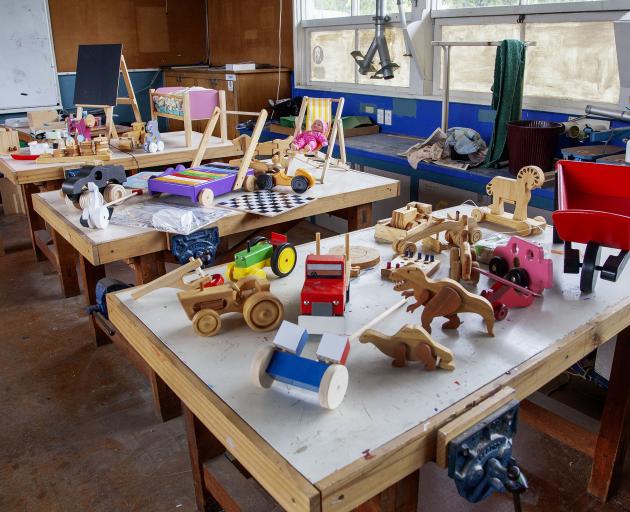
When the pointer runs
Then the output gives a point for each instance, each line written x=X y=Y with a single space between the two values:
x=187 y=118
x=336 y=132
x=110 y=127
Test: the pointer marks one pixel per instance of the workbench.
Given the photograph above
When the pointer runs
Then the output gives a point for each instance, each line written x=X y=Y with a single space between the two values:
x=348 y=194
x=366 y=454
x=31 y=177
x=382 y=151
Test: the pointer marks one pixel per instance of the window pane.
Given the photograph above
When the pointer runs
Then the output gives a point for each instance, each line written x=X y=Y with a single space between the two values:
x=317 y=9
x=368 y=7
x=472 y=67
x=461 y=4
x=396 y=44
x=330 y=56
x=535 y=2
x=575 y=60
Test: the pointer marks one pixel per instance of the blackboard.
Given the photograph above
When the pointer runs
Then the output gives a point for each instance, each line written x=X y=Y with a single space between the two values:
x=98 y=69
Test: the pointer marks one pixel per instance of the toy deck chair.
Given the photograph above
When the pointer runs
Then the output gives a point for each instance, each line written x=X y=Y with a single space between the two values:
x=321 y=108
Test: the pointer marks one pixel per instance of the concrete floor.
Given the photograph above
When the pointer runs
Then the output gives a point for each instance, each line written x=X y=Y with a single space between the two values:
x=77 y=430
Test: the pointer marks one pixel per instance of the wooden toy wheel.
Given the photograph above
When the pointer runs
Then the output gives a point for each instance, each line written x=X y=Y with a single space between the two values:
x=258 y=369
x=518 y=276
x=500 y=311
x=263 y=311
x=249 y=185
x=533 y=176
x=113 y=192
x=299 y=184
x=283 y=260
x=264 y=181
x=477 y=215
x=333 y=386
x=498 y=266
x=588 y=277
x=205 y=197
x=474 y=235
x=206 y=322
x=70 y=203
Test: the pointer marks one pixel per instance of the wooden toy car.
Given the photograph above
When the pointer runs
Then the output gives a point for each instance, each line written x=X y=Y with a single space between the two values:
x=108 y=179
x=202 y=183
x=402 y=221
x=325 y=292
x=276 y=253
x=327 y=375
x=521 y=272
x=262 y=310
x=300 y=182
x=593 y=209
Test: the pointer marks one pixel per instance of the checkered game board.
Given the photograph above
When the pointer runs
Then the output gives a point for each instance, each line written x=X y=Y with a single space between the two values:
x=266 y=202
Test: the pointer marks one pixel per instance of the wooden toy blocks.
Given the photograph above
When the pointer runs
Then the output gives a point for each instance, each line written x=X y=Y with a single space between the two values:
x=517 y=192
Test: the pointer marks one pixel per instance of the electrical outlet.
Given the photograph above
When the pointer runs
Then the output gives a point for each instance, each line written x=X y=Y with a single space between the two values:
x=388 y=117
x=380 y=116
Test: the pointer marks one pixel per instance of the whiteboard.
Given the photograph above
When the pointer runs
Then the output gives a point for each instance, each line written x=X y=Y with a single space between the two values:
x=28 y=72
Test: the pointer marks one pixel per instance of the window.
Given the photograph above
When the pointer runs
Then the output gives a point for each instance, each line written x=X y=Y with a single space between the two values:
x=561 y=69
x=329 y=30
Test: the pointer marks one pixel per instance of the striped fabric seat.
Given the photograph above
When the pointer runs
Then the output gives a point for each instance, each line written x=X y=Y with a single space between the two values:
x=319 y=108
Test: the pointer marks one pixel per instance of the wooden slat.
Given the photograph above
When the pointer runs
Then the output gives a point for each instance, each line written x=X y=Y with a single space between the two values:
x=43 y=241
x=284 y=483
x=558 y=428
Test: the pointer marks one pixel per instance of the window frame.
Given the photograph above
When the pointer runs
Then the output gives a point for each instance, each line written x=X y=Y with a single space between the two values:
x=529 y=102
x=302 y=60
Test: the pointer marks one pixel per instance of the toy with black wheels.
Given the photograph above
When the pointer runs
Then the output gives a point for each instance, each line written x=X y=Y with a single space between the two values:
x=283 y=259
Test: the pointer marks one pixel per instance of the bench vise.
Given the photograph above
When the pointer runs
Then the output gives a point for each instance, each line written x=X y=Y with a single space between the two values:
x=480 y=459
x=201 y=244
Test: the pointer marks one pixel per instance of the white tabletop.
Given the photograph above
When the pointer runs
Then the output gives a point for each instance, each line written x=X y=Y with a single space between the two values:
x=382 y=402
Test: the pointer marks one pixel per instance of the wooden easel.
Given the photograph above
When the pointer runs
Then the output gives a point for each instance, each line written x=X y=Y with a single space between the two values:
x=120 y=100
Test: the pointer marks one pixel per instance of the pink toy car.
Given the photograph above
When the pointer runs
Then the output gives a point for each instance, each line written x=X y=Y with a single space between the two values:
x=521 y=272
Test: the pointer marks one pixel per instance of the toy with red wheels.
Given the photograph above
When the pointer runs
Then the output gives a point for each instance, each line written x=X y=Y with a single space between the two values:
x=520 y=272
x=261 y=252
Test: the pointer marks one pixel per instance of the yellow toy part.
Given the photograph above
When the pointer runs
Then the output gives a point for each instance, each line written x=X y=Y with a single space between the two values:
x=235 y=273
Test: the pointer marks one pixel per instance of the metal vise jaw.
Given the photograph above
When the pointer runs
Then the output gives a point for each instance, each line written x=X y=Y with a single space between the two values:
x=480 y=459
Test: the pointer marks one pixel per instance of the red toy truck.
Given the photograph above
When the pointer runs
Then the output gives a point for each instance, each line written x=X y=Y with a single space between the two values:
x=325 y=292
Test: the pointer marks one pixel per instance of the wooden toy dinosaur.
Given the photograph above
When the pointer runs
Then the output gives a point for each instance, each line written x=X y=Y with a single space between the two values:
x=445 y=298
x=410 y=343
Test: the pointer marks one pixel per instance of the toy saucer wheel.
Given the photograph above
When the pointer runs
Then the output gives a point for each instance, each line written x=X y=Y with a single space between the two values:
x=474 y=236
x=333 y=386
x=206 y=322
x=588 y=277
x=263 y=311
x=498 y=266
x=113 y=192
x=299 y=184
x=518 y=276
x=258 y=369
x=264 y=181
x=205 y=197
x=249 y=185
x=283 y=260
x=500 y=311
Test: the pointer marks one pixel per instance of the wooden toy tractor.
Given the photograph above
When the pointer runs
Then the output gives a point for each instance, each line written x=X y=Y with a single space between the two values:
x=276 y=253
x=250 y=296
x=300 y=182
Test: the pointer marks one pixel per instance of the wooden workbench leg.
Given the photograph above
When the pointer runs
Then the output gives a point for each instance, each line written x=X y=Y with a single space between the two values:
x=67 y=265
x=90 y=274
x=400 y=497
x=202 y=445
x=167 y=404
x=612 y=441
x=35 y=222
x=360 y=217
x=149 y=267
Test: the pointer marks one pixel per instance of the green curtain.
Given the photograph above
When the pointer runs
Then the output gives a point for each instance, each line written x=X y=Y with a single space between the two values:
x=507 y=96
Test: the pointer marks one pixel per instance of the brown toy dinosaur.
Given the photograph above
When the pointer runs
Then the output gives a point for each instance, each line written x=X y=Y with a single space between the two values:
x=445 y=298
x=410 y=343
